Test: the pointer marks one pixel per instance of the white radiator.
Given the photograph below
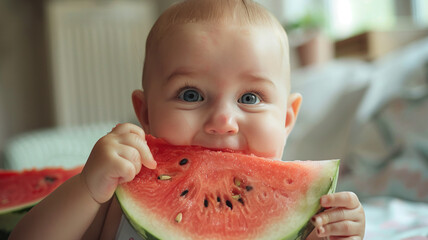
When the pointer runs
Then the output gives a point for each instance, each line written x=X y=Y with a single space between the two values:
x=97 y=52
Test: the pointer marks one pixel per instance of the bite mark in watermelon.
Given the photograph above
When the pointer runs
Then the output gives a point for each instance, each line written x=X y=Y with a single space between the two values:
x=198 y=193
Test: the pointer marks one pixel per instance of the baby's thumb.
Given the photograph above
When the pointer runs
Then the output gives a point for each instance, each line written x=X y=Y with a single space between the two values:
x=147 y=158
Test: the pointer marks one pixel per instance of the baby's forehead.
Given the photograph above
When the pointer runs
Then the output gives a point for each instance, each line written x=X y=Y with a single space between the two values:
x=237 y=12
x=240 y=11
x=244 y=13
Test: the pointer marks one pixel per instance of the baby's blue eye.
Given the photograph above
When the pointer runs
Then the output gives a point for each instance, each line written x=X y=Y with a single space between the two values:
x=190 y=95
x=249 y=98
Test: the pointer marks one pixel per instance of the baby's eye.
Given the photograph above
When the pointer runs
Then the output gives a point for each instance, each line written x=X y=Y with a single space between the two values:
x=249 y=98
x=190 y=95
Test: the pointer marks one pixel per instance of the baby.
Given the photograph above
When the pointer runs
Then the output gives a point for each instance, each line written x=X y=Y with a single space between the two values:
x=216 y=74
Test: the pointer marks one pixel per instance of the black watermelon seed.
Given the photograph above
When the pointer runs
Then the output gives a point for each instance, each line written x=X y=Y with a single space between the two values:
x=249 y=188
x=206 y=203
x=184 y=193
x=50 y=179
x=229 y=204
x=183 y=161
x=241 y=201
x=218 y=199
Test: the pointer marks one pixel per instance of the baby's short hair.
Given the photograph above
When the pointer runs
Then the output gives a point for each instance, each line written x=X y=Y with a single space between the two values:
x=240 y=12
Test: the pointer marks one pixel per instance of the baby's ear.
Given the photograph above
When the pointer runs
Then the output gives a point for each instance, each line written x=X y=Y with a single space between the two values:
x=140 y=108
x=293 y=107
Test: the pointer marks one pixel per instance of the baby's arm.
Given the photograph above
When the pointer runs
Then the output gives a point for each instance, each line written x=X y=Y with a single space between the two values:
x=344 y=218
x=69 y=211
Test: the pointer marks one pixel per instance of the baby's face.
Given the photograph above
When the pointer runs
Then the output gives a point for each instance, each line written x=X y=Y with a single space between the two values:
x=219 y=86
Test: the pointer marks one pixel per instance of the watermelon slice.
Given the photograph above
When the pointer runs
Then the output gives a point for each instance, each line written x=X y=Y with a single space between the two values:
x=198 y=193
x=23 y=189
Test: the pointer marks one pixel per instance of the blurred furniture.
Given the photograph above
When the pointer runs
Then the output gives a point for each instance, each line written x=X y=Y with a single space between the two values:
x=55 y=147
x=97 y=51
x=316 y=48
x=372 y=115
x=375 y=44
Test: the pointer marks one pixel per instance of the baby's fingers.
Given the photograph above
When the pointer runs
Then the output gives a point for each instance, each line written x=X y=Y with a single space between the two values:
x=134 y=136
x=344 y=228
x=132 y=155
x=126 y=171
x=335 y=215
x=123 y=128
x=146 y=156
x=340 y=199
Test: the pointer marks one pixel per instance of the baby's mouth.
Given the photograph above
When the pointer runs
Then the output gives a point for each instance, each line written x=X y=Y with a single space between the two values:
x=234 y=148
x=223 y=145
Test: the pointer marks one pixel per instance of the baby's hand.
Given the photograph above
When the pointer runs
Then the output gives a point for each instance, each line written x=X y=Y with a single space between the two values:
x=116 y=158
x=344 y=218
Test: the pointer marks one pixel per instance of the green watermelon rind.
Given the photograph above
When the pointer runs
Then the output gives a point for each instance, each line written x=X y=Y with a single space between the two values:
x=140 y=230
x=307 y=228
x=21 y=207
x=301 y=233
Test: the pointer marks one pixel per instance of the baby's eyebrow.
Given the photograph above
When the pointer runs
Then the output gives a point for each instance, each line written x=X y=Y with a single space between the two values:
x=257 y=78
x=179 y=73
x=252 y=77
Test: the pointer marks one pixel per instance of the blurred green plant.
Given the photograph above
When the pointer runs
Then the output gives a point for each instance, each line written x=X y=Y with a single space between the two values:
x=311 y=20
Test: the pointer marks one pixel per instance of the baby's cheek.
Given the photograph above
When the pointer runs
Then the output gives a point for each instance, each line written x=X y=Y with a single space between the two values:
x=267 y=138
x=177 y=129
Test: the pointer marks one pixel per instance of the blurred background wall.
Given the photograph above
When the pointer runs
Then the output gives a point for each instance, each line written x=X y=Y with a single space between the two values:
x=25 y=92
x=70 y=63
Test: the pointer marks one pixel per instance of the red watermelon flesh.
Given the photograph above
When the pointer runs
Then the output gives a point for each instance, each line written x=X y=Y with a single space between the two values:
x=197 y=193
x=22 y=189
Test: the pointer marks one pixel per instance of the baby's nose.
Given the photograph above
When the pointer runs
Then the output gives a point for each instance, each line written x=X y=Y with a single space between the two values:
x=222 y=122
